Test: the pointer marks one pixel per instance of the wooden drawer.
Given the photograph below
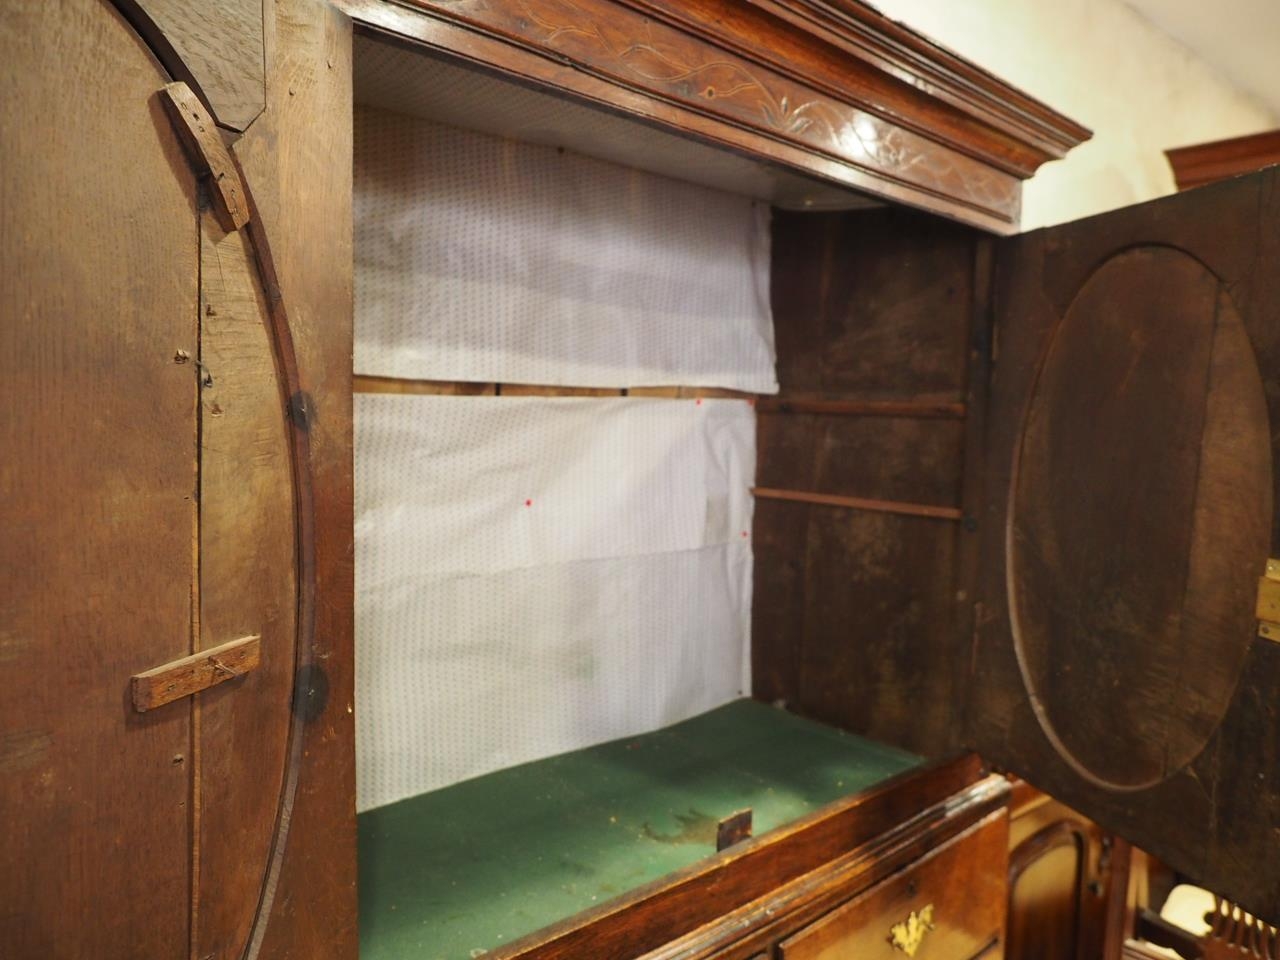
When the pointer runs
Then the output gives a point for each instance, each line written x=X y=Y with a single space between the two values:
x=957 y=891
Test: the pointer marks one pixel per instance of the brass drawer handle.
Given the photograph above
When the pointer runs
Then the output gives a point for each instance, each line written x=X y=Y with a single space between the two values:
x=909 y=934
x=200 y=671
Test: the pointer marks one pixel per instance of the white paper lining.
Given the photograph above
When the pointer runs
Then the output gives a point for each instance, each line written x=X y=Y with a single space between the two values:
x=537 y=575
x=485 y=259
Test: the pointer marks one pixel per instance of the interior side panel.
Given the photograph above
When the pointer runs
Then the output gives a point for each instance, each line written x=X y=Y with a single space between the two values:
x=858 y=618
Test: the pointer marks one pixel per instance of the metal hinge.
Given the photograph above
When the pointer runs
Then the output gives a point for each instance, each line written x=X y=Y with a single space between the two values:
x=1268 y=610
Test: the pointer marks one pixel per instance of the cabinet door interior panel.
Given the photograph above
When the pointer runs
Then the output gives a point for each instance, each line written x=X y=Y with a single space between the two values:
x=248 y=584
x=98 y=236
x=1128 y=517
x=296 y=162
x=218 y=48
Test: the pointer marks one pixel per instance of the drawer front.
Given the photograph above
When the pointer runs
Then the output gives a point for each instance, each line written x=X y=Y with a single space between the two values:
x=950 y=905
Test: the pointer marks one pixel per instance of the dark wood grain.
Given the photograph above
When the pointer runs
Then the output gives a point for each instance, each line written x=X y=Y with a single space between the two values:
x=903 y=409
x=98 y=238
x=1134 y=511
x=195 y=672
x=879 y=627
x=856 y=616
x=872 y=305
x=915 y=460
x=216 y=48
x=918 y=459
x=1206 y=798
x=779 y=545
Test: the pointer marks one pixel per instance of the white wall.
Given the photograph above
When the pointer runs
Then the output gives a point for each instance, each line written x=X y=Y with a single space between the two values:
x=1102 y=64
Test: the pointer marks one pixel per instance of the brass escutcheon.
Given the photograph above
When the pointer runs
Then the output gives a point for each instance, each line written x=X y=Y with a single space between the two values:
x=909 y=934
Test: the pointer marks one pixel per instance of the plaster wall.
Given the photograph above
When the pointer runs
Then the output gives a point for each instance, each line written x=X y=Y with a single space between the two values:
x=1101 y=63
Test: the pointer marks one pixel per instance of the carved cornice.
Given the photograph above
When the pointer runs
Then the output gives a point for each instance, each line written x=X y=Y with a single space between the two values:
x=1206 y=162
x=825 y=86
x=930 y=71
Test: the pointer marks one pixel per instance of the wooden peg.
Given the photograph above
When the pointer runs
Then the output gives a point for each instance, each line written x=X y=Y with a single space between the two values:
x=200 y=671
x=208 y=154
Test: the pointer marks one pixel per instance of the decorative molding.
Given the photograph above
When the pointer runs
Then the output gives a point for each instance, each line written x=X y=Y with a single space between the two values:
x=1206 y=162
x=843 y=45
x=1238 y=935
x=832 y=89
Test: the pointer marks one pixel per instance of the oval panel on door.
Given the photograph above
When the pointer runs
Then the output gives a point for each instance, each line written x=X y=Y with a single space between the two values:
x=248 y=585
x=1140 y=518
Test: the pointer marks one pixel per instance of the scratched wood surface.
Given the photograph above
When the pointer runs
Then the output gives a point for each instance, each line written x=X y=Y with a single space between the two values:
x=97 y=484
x=215 y=47
x=248 y=584
x=208 y=154
x=189 y=675
x=1132 y=419
x=297 y=165
x=854 y=616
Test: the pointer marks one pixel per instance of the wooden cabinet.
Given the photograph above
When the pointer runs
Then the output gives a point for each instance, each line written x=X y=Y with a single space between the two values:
x=1015 y=495
x=950 y=904
x=1062 y=880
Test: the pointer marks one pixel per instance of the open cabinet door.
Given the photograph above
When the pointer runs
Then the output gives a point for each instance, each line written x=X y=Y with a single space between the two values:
x=175 y=773
x=1128 y=514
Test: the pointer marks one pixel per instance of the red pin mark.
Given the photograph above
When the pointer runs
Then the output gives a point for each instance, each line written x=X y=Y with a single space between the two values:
x=528 y=503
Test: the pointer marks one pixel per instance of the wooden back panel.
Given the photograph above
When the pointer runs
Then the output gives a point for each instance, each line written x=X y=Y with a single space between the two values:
x=857 y=615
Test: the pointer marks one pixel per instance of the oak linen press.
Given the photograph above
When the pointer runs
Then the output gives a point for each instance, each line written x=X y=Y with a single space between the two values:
x=1013 y=498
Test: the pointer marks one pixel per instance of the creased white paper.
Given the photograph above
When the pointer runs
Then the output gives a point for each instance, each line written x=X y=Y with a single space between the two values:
x=536 y=575
x=484 y=259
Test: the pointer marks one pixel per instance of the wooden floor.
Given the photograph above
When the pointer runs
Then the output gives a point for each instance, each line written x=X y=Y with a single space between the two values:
x=477 y=865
